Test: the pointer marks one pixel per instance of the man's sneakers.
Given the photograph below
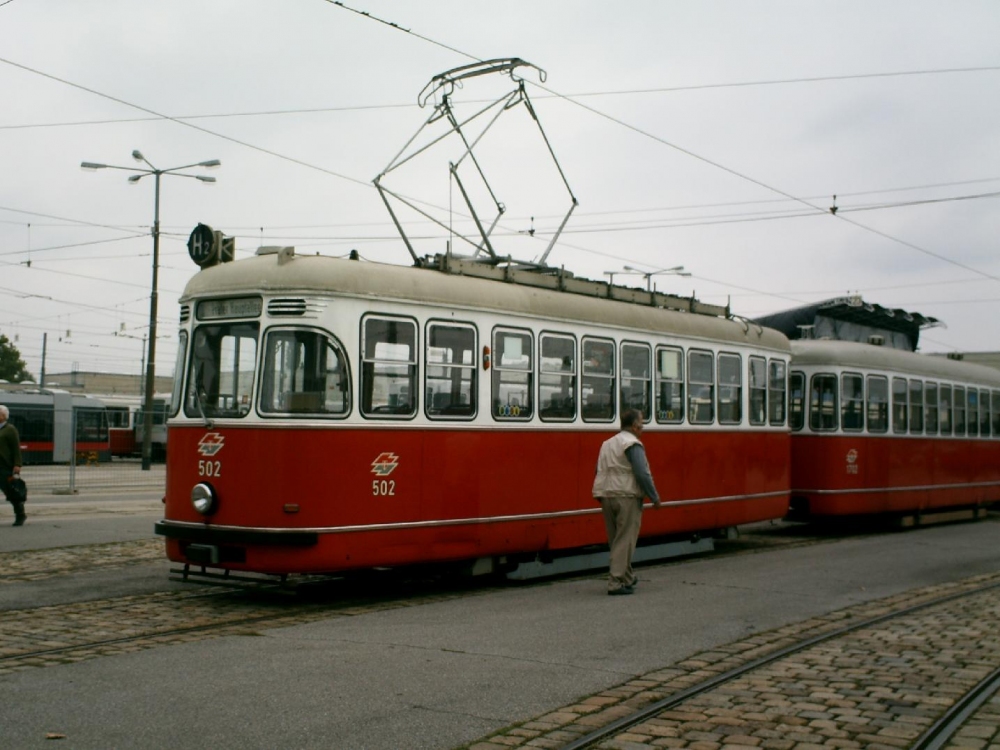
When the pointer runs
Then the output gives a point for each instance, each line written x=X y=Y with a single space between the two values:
x=621 y=591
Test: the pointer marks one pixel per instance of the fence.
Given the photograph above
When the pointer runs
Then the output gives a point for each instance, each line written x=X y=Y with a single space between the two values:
x=91 y=475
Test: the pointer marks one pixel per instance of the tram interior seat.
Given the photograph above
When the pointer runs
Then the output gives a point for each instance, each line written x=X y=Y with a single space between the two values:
x=307 y=401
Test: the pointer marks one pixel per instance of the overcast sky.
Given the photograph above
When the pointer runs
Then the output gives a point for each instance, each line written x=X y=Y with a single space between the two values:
x=707 y=134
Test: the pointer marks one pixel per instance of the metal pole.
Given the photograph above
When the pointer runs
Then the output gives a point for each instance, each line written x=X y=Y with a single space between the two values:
x=147 y=435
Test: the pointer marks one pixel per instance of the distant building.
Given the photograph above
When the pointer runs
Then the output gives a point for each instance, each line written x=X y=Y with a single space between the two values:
x=106 y=383
x=851 y=319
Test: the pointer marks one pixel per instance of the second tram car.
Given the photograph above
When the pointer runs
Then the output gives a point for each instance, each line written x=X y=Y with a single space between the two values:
x=883 y=431
x=334 y=414
x=45 y=421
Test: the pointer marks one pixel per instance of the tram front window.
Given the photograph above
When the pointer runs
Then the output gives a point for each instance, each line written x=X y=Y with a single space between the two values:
x=220 y=379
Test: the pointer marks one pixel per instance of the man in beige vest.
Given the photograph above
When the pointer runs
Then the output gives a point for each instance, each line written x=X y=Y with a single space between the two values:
x=623 y=480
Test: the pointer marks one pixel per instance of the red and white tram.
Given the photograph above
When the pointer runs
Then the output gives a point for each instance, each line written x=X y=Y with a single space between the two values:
x=336 y=414
x=881 y=430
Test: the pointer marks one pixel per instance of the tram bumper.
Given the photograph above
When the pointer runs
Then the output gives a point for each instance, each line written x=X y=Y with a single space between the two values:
x=197 y=533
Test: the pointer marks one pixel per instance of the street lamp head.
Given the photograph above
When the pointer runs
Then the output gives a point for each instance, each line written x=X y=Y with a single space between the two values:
x=133 y=179
x=211 y=164
x=203 y=178
x=91 y=166
x=137 y=155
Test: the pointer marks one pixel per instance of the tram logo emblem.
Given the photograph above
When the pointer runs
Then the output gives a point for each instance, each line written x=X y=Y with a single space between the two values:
x=384 y=464
x=210 y=444
x=852 y=456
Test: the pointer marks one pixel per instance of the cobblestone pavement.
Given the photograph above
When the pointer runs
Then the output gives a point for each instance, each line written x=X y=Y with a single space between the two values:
x=876 y=688
x=36 y=565
x=981 y=731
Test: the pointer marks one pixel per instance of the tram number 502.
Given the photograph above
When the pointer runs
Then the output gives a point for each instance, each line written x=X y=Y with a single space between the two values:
x=210 y=468
x=383 y=487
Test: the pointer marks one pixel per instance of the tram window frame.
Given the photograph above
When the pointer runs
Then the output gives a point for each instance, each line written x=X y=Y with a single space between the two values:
x=178 y=385
x=958 y=413
x=984 y=413
x=378 y=366
x=669 y=384
x=729 y=395
x=995 y=401
x=514 y=374
x=972 y=412
x=823 y=415
x=462 y=377
x=916 y=410
x=701 y=391
x=931 y=405
x=642 y=355
x=204 y=396
x=900 y=406
x=298 y=383
x=852 y=403
x=562 y=379
x=877 y=409
x=946 y=420
x=777 y=392
x=796 y=400
x=598 y=379
x=757 y=385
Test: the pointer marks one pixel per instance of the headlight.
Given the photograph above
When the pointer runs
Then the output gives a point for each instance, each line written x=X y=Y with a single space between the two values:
x=203 y=498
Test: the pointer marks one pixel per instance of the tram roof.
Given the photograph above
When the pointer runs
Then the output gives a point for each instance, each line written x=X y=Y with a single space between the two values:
x=307 y=275
x=851 y=354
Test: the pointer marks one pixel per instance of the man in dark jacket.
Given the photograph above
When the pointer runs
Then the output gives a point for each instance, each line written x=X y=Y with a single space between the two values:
x=10 y=464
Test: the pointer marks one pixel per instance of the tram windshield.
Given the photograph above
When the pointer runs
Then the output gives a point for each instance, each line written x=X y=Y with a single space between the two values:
x=220 y=379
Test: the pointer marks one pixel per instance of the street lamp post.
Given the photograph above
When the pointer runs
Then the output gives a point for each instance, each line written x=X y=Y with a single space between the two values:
x=648 y=275
x=141 y=172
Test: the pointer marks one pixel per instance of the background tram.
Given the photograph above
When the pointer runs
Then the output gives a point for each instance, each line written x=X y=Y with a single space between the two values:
x=335 y=414
x=126 y=427
x=884 y=431
x=45 y=422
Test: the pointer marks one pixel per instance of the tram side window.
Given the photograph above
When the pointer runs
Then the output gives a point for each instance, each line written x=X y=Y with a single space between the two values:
x=959 y=414
x=916 y=406
x=636 y=378
x=91 y=425
x=305 y=372
x=878 y=404
x=450 y=377
x=945 y=415
x=730 y=389
x=931 y=408
x=223 y=362
x=776 y=392
x=852 y=402
x=597 y=403
x=899 y=405
x=701 y=387
x=388 y=367
x=984 y=413
x=972 y=412
x=996 y=413
x=669 y=384
x=512 y=375
x=796 y=400
x=823 y=402
x=557 y=377
x=33 y=423
x=757 y=383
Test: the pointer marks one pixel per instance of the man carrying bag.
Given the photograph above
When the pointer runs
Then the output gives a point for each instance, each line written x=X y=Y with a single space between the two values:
x=13 y=487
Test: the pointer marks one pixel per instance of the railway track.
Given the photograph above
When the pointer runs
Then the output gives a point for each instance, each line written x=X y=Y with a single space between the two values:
x=908 y=672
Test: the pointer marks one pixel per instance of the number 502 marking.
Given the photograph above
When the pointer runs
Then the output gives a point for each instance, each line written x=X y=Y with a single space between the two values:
x=383 y=487
x=210 y=468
